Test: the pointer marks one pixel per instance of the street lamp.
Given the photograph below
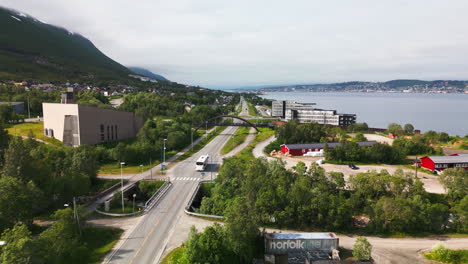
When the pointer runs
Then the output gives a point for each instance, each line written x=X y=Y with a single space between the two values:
x=141 y=167
x=75 y=213
x=121 y=184
x=134 y=195
x=164 y=153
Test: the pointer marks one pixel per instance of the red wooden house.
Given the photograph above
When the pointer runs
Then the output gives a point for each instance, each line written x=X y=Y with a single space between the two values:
x=301 y=149
x=439 y=163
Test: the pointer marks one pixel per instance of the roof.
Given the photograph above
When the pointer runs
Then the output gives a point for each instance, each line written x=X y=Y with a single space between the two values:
x=449 y=159
x=301 y=236
x=322 y=145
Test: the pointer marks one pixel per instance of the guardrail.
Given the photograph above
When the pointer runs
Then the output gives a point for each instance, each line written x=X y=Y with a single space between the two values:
x=148 y=204
x=189 y=205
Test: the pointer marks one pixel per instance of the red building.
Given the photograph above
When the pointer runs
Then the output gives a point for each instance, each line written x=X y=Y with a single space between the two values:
x=301 y=149
x=439 y=163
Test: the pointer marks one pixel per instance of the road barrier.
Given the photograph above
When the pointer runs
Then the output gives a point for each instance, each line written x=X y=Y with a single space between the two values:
x=149 y=203
x=189 y=205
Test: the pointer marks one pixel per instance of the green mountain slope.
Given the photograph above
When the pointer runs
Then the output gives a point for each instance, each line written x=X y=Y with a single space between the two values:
x=30 y=49
x=147 y=73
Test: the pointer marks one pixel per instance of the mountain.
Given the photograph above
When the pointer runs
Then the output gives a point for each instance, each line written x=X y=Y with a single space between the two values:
x=145 y=72
x=31 y=49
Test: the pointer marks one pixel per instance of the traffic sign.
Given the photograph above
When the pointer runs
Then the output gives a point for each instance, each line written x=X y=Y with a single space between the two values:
x=163 y=166
x=203 y=174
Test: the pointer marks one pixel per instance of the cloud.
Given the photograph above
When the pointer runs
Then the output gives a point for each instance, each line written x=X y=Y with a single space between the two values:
x=236 y=43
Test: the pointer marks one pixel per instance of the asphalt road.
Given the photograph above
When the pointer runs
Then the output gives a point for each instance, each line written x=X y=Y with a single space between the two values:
x=149 y=238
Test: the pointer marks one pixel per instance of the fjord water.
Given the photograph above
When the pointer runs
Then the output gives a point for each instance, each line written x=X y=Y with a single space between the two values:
x=439 y=112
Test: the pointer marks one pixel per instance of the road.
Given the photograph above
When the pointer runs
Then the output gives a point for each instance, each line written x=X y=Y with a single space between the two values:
x=244 y=107
x=146 y=243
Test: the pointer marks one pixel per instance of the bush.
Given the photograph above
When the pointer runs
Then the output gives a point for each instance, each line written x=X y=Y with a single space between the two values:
x=362 y=249
x=441 y=253
x=274 y=145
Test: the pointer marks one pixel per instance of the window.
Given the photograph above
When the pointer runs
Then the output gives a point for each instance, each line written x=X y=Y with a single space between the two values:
x=108 y=133
x=116 y=137
x=46 y=132
x=112 y=132
x=51 y=131
x=102 y=133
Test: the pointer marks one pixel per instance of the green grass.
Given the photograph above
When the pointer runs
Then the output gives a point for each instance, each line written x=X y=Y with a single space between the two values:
x=37 y=129
x=445 y=255
x=176 y=256
x=252 y=110
x=202 y=143
x=114 y=167
x=99 y=185
x=264 y=134
x=100 y=241
x=237 y=139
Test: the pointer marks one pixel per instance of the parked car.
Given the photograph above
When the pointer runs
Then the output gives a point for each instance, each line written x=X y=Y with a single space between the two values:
x=354 y=167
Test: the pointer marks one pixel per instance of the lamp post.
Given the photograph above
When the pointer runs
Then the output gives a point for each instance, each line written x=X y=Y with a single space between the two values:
x=141 y=167
x=75 y=214
x=134 y=195
x=206 y=127
x=191 y=136
x=121 y=185
x=164 y=153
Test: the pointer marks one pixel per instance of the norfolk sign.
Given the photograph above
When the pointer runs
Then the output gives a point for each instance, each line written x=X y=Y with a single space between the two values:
x=283 y=243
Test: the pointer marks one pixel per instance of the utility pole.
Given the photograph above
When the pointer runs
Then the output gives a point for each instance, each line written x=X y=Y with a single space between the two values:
x=211 y=168
x=206 y=128
x=164 y=156
x=151 y=169
x=29 y=112
x=191 y=136
x=416 y=165
x=121 y=185
x=75 y=214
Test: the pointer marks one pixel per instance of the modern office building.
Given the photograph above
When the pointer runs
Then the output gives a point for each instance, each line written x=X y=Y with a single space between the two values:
x=75 y=124
x=306 y=113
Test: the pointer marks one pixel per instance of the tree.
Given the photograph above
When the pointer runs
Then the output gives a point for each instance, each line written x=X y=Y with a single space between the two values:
x=360 y=137
x=443 y=137
x=409 y=128
x=395 y=129
x=209 y=246
x=20 y=247
x=16 y=202
x=17 y=161
x=456 y=182
x=362 y=249
x=61 y=243
x=4 y=139
x=460 y=211
x=242 y=228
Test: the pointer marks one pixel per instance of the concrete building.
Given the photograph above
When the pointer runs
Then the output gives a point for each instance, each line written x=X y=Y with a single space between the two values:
x=75 y=124
x=18 y=107
x=440 y=163
x=300 y=247
x=306 y=113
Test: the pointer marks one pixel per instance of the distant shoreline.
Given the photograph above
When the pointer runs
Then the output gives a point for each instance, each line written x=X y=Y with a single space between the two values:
x=380 y=92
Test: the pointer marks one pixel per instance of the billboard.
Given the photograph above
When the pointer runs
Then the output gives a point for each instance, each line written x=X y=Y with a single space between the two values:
x=288 y=243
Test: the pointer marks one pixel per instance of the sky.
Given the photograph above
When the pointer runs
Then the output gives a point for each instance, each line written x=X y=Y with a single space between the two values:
x=229 y=44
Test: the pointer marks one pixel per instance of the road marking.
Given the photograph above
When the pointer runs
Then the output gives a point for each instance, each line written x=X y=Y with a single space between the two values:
x=151 y=232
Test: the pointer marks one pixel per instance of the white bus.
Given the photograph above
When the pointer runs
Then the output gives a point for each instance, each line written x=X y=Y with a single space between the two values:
x=202 y=162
